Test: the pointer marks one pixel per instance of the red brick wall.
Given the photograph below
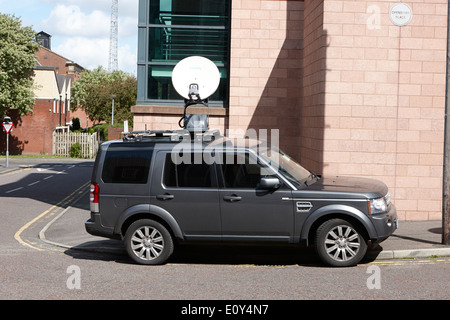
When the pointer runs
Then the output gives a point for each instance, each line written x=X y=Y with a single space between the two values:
x=32 y=134
x=48 y=58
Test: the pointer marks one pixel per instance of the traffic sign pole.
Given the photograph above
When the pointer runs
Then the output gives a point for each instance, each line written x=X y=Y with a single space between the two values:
x=7 y=150
x=7 y=126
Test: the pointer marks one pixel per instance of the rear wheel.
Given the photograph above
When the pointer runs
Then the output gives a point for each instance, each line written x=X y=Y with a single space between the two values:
x=340 y=243
x=148 y=242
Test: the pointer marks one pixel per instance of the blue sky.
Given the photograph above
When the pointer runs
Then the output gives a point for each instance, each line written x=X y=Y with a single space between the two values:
x=80 y=28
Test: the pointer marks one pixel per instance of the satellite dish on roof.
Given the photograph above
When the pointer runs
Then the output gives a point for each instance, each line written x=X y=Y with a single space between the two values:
x=196 y=78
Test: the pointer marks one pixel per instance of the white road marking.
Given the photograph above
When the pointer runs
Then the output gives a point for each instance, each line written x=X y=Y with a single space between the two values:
x=14 y=190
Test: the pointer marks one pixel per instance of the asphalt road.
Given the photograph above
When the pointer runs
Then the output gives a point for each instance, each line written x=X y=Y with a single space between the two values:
x=33 y=269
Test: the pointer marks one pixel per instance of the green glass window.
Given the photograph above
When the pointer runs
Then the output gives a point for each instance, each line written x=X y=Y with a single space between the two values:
x=171 y=30
x=192 y=12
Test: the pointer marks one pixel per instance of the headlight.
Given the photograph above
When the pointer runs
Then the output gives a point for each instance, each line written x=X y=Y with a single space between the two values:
x=380 y=205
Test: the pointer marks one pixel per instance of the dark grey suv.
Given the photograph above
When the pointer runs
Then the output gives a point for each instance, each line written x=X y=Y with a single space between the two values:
x=157 y=188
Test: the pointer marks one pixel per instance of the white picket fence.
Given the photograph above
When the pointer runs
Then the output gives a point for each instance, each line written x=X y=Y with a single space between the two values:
x=64 y=140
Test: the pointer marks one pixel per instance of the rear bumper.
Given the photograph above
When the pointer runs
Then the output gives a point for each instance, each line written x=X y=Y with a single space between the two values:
x=94 y=227
x=385 y=224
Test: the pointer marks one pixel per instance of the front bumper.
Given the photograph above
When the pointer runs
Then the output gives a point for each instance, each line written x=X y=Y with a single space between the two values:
x=385 y=224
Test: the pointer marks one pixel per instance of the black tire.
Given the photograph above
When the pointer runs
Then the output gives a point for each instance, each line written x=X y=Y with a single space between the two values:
x=340 y=243
x=148 y=242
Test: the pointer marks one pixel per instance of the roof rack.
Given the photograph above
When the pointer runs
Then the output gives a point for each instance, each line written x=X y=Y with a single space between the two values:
x=174 y=135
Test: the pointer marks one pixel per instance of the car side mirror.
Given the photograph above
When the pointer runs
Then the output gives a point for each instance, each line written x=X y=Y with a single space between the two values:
x=270 y=183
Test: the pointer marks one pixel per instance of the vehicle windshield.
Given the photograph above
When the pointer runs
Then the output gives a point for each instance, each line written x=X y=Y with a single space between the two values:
x=293 y=171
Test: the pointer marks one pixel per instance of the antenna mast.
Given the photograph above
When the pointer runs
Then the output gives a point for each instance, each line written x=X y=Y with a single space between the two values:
x=114 y=36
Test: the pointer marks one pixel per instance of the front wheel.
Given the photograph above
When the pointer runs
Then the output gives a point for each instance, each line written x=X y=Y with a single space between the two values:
x=148 y=242
x=339 y=243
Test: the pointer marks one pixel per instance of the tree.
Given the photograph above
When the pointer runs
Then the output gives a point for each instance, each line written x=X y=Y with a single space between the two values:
x=94 y=90
x=17 y=60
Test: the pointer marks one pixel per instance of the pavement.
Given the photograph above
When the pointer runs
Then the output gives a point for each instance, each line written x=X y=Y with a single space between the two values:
x=413 y=239
x=16 y=164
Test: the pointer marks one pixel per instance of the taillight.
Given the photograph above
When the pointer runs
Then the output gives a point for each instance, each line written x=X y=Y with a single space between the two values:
x=94 y=193
x=93 y=197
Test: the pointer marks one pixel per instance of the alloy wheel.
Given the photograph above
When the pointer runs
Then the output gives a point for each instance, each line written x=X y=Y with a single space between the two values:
x=147 y=243
x=342 y=243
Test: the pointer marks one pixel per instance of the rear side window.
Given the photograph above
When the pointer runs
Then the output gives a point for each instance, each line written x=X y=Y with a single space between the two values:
x=187 y=175
x=127 y=164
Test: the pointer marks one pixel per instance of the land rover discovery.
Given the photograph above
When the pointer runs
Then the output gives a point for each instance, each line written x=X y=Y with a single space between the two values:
x=153 y=189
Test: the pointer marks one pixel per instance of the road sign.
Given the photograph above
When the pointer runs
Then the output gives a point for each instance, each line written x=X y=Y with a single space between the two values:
x=7 y=127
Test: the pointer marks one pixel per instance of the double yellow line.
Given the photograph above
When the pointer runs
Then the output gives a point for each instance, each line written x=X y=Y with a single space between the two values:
x=48 y=213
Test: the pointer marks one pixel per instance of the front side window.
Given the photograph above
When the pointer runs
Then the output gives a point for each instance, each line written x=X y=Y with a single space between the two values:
x=171 y=30
x=289 y=168
x=241 y=171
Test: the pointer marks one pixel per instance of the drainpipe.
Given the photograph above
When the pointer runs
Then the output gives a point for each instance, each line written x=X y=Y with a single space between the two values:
x=446 y=179
x=60 y=109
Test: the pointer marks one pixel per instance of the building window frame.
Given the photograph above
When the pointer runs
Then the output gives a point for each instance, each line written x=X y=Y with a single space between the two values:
x=145 y=63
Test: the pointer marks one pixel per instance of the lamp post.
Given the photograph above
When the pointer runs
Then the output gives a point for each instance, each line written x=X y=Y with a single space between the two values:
x=113 y=96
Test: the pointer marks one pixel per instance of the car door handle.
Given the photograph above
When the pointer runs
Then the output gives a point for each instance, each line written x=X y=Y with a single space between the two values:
x=232 y=198
x=165 y=197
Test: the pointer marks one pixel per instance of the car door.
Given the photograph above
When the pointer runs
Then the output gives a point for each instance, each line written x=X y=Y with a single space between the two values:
x=189 y=192
x=249 y=212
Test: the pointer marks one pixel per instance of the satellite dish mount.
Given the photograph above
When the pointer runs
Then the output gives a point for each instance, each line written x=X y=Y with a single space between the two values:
x=194 y=95
x=195 y=79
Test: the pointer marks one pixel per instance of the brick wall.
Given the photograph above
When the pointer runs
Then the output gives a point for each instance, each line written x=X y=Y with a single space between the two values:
x=33 y=134
x=49 y=58
x=64 y=66
x=266 y=67
x=383 y=99
x=314 y=76
x=166 y=117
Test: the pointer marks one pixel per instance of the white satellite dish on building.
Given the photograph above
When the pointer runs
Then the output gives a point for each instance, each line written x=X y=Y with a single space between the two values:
x=198 y=71
x=195 y=79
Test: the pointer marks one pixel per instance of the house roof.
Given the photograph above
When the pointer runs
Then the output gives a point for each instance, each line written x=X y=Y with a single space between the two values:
x=66 y=60
x=45 y=34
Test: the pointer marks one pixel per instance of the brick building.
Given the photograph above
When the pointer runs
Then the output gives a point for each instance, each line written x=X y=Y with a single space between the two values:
x=352 y=90
x=54 y=75
x=32 y=134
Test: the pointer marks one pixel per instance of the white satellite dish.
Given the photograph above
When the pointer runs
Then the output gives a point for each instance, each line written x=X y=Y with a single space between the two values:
x=197 y=74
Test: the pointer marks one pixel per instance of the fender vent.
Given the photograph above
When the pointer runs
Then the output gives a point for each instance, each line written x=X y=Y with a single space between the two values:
x=304 y=206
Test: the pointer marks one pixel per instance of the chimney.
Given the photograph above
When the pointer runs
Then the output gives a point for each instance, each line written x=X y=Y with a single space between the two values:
x=44 y=39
